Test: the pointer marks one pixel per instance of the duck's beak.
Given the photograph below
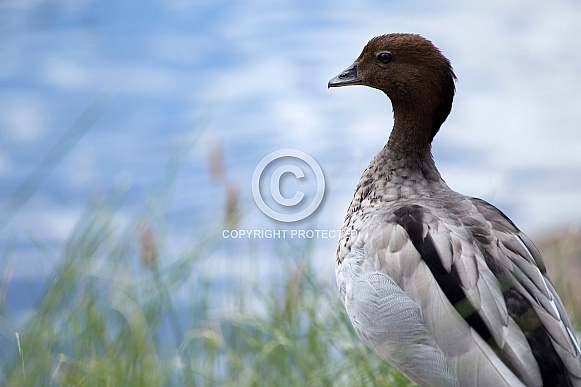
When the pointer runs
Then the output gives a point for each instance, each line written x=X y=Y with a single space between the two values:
x=347 y=77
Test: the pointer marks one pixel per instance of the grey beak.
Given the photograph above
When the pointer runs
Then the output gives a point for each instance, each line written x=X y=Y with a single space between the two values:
x=347 y=77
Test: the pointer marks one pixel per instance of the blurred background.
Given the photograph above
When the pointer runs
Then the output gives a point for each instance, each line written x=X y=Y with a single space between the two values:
x=129 y=133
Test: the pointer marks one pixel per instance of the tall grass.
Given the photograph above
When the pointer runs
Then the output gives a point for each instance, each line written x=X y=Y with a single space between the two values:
x=108 y=318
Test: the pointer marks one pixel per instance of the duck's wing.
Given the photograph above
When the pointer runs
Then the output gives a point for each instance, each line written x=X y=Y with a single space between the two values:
x=529 y=295
x=480 y=291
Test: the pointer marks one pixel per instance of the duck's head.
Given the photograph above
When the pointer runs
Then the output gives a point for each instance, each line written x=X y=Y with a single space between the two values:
x=413 y=73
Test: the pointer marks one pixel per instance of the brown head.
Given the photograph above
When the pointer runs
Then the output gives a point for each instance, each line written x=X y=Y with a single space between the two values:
x=413 y=73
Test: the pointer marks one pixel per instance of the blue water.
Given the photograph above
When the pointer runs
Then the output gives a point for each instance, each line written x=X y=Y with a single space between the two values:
x=252 y=76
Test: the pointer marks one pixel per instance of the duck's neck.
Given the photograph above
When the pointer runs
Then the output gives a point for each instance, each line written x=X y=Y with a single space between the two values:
x=409 y=149
x=403 y=169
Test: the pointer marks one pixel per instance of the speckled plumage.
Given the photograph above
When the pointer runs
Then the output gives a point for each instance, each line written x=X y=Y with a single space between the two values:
x=441 y=285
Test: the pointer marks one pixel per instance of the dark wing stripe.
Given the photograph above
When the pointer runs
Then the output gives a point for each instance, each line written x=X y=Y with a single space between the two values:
x=550 y=364
x=411 y=219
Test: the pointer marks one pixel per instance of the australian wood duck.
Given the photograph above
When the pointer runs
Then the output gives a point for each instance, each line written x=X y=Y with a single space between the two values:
x=441 y=285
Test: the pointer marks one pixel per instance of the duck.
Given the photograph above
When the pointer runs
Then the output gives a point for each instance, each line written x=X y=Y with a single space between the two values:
x=441 y=285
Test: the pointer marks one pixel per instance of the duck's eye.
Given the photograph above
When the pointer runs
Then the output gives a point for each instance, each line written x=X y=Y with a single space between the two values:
x=384 y=57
